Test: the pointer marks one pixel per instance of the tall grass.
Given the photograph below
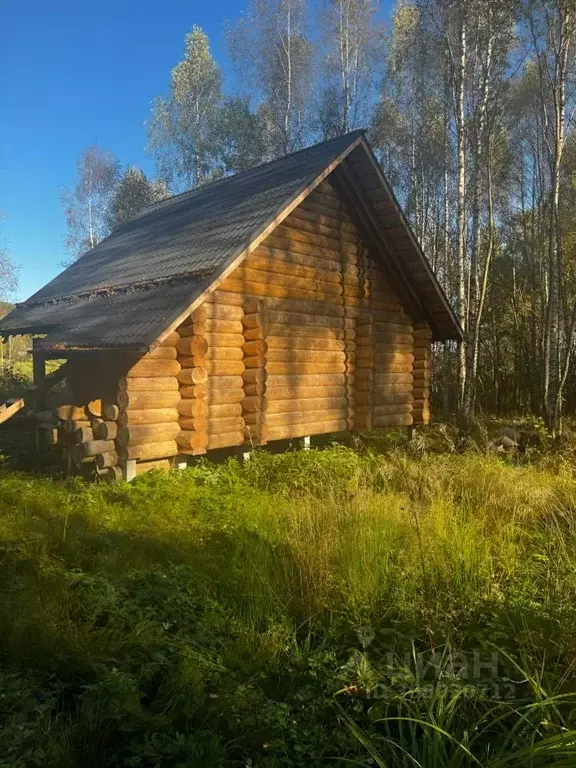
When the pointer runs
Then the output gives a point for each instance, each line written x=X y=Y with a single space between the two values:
x=310 y=608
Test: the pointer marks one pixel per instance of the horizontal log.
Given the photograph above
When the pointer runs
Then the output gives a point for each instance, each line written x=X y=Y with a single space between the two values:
x=189 y=376
x=387 y=398
x=217 y=383
x=315 y=227
x=336 y=269
x=221 y=297
x=161 y=353
x=140 y=400
x=391 y=369
x=294 y=332
x=153 y=368
x=161 y=450
x=404 y=339
x=298 y=417
x=83 y=435
x=147 y=433
x=107 y=459
x=224 y=396
x=224 y=312
x=421 y=416
x=384 y=354
x=318 y=241
x=304 y=405
x=423 y=333
x=263 y=289
x=311 y=211
x=105 y=430
x=305 y=356
x=300 y=380
x=224 y=367
x=275 y=277
x=226 y=424
x=283 y=264
x=160 y=384
x=289 y=431
x=212 y=327
x=161 y=465
x=304 y=392
x=399 y=420
x=228 y=440
x=310 y=343
x=70 y=413
x=192 y=345
x=214 y=354
x=384 y=410
x=295 y=367
x=375 y=327
x=316 y=319
x=224 y=410
x=148 y=416
x=94 y=447
x=226 y=339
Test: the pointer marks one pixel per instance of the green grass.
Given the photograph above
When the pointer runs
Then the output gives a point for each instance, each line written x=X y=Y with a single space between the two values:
x=332 y=607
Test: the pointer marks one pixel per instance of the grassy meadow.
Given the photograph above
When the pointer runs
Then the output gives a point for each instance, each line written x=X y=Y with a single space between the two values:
x=385 y=604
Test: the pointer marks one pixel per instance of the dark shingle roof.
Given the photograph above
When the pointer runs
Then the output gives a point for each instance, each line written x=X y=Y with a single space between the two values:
x=134 y=284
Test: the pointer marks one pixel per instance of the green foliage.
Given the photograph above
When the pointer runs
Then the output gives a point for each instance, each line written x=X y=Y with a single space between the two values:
x=304 y=608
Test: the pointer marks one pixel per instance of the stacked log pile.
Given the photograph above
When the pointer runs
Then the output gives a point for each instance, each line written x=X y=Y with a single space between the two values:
x=422 y=360
x=148 y=400
x=86 y=435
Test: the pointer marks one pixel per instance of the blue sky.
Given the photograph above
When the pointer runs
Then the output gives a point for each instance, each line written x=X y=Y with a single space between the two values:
x=72 y=73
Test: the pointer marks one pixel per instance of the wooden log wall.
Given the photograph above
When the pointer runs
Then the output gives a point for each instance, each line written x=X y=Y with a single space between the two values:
x=148 y=399
x=422 y=360
x=306 y=337
x=328 y=344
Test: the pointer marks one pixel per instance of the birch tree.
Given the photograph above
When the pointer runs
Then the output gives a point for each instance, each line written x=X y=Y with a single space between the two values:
x=352 y=46
x=86 y=203
x=132 y=193
x=552 y=26
x=274 y=60
x=180 y=125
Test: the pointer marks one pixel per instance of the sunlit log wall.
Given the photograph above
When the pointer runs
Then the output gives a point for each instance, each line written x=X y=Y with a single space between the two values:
x=306 y=337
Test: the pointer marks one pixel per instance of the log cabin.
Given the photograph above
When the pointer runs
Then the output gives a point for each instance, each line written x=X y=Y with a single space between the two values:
x=289 y=300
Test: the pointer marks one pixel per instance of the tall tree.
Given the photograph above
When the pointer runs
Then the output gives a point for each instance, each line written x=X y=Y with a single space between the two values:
x=86 y=204
x=552 y=25
x=180 y=124
x=237 y=137
x=274 y=57
x=132 y=193
x=349 y=75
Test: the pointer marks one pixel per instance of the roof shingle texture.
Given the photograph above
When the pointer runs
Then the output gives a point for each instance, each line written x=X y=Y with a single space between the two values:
x=184 y=241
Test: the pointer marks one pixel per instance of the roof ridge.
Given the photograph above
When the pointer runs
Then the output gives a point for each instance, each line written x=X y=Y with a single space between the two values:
x=209 y=184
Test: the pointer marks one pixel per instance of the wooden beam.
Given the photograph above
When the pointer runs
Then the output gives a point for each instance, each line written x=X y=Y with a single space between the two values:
x=9 y=408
